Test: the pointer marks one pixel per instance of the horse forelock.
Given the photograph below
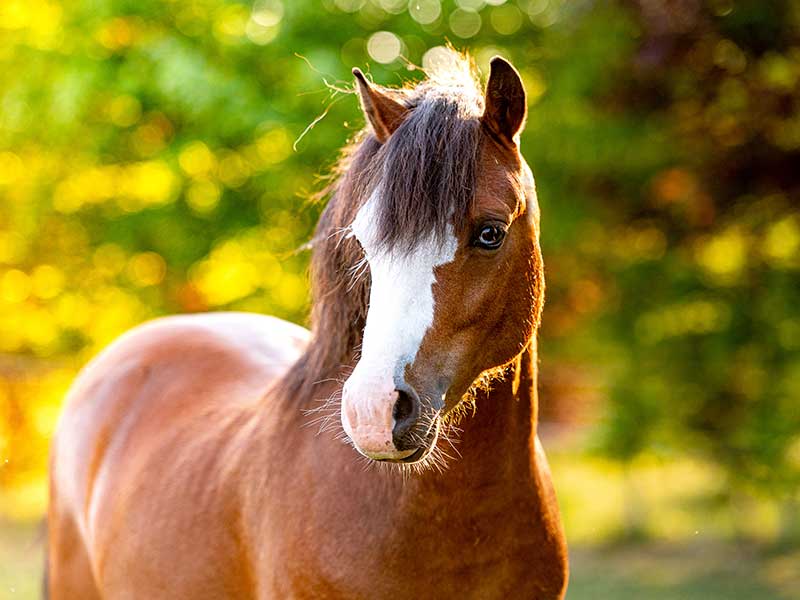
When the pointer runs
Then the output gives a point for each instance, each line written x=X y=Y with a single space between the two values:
x=425 y=174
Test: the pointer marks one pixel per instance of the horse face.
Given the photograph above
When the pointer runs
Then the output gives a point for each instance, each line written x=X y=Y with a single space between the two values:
x=488 y=299
x=383 y=414
x=452 y=306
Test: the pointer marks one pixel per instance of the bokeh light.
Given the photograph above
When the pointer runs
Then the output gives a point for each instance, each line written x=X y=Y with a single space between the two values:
x=267 y=13
x=465 y=23
x=506 y=19
x=384 y=46
x=438 y=58
x=425 y=12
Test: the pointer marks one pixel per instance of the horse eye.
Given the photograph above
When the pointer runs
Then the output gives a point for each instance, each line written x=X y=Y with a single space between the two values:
x=490 y=237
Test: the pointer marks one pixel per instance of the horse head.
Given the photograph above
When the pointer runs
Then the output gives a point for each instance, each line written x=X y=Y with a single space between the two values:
x=448 y=223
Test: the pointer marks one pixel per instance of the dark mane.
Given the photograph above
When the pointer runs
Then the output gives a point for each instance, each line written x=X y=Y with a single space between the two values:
x=427 y=174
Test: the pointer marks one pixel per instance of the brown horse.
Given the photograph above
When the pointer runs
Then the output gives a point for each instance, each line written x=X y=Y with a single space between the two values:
x=183 y=466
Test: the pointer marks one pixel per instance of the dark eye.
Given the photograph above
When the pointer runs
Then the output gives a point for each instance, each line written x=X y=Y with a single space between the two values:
x=490 y=236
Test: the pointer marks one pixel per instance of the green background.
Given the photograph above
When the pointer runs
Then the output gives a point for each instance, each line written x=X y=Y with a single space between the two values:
x=158 y=156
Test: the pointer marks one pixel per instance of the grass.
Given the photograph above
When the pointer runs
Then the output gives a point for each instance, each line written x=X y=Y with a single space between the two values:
x=21 y=555
x=643 y=571
x=696 y=571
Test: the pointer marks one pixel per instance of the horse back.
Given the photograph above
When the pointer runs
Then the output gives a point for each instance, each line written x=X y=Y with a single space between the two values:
x=153 y=432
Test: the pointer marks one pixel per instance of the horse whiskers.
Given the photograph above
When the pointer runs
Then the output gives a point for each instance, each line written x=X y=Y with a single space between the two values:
x=467 y=406
x=345 y=439
x=448 y=433
x=357 y=272
x=329 y=380
x=324 y=423
x=325 y=416
x=342 y=232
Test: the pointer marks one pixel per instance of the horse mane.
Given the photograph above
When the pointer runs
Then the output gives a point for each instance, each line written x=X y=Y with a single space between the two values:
x=427 y=174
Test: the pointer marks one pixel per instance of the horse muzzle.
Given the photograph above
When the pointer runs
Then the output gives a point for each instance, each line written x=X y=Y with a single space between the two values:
x=388 y=423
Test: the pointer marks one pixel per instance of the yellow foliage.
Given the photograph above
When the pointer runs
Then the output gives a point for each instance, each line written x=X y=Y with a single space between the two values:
x=202 y=196
x=226 y=275
x=724 y=256
x=146 y=268
x=10 y=168
x=12 y=246
x=15 y=286
x=41 y=329
x=782 y=241
x=291 y=292
x=146 y=183
x=118 y=33
x=234 y=170
x=72 y=311
x=14 y=15
x=197 y=160
x=124 y=111
x=134 y=186
x=109 y=259
x=25 y=500
x=271 y=148
x=48 y=282
x=695 y=317
x=121 y=311
x=230 y=22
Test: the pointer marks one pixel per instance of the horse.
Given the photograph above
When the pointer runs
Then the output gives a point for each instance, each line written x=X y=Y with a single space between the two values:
x=184 y=466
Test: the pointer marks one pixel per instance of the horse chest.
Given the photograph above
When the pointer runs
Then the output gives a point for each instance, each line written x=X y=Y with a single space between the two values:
x=426 y=553
x=475 y=573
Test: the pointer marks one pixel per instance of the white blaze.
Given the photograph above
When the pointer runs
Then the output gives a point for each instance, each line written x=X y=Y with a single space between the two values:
x=400 y=312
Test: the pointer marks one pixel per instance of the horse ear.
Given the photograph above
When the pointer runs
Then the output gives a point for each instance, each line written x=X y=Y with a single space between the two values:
x=506 y=107
x=383 y=113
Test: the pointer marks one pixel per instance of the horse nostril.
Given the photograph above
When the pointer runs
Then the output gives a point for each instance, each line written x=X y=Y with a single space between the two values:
x=405 y=413
x=403 y=408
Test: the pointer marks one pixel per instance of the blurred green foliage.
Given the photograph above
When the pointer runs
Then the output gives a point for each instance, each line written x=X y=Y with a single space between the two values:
x=156 y=157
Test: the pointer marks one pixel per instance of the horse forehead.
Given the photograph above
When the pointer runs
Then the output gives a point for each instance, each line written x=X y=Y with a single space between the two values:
x=501 y=188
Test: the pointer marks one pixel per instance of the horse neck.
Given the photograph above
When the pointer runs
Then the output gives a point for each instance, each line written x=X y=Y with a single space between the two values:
x=499 y=489
x=496 y=486
x=496 y=449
